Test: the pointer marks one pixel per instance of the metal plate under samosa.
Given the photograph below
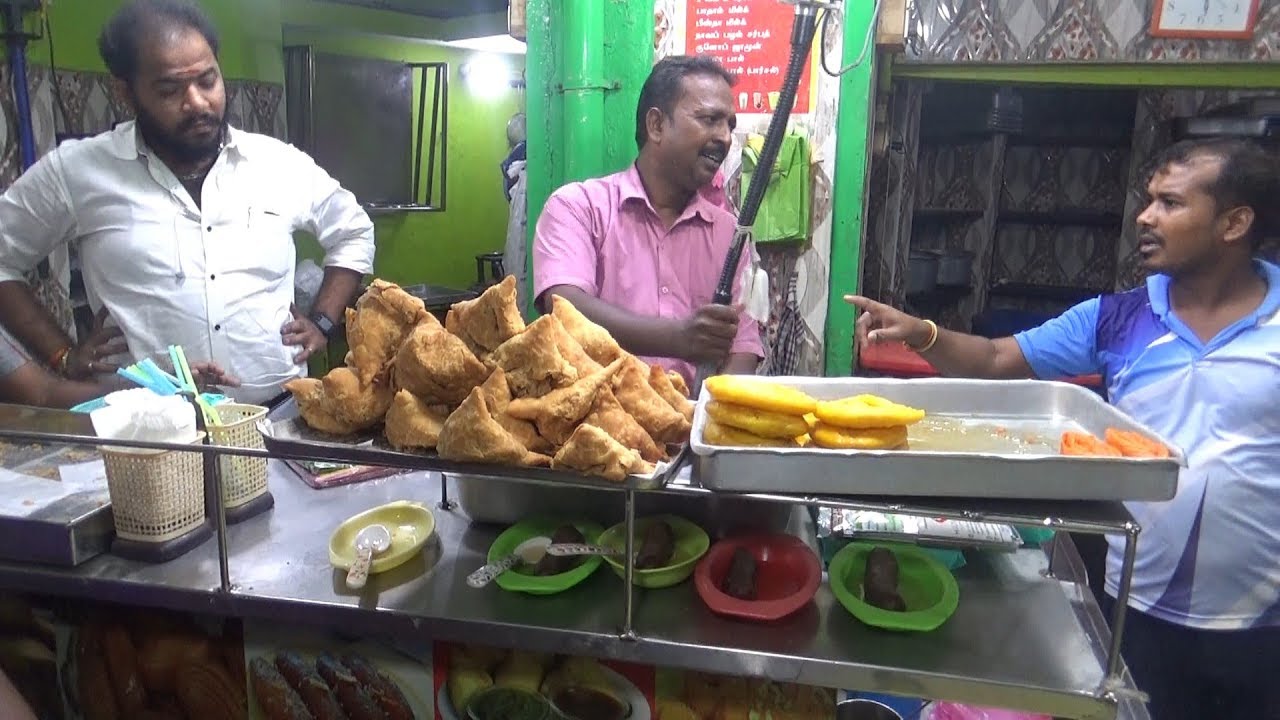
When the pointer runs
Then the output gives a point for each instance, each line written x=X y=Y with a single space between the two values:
x=285 y=434
x=1024 y=470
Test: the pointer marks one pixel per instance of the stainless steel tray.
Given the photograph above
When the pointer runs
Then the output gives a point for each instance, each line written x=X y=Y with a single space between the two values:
x=1021 y=406
x=286 y=435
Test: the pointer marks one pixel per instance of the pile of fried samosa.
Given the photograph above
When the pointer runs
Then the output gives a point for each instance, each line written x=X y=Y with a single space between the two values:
x=485 y=388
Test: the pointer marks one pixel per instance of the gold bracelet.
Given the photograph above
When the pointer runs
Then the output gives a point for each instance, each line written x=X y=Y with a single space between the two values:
x=933 y=338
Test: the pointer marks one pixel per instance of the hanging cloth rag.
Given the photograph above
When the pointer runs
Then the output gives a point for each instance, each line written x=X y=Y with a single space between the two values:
x=784 y=210
x=513 y=252
x=783 y=356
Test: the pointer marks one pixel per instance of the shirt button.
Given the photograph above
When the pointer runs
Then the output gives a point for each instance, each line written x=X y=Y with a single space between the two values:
x=208 y=228
x=217 y=327
x=213 y=277
x=665 y=291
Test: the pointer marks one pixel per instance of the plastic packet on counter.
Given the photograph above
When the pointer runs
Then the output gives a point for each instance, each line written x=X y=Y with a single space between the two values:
x=841 y=522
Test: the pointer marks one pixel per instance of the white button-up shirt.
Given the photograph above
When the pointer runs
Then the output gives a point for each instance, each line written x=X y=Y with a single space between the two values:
x=217 y=278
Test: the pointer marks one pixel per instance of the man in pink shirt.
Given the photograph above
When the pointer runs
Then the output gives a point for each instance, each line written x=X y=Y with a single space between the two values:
x=640 y=251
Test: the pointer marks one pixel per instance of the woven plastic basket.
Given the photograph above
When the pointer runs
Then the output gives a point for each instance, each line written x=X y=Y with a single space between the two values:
x=243 y=478
x=156 y=495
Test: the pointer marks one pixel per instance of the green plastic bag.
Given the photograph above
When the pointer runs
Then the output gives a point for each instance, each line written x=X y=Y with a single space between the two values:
x=784 y=211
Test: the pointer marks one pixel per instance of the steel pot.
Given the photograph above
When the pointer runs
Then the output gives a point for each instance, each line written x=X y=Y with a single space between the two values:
x=922 y=272
x=955 y=268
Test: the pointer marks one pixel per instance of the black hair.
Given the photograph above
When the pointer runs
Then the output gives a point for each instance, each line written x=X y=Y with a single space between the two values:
x=1248 y=176
x=123 y=35
x=665 y=85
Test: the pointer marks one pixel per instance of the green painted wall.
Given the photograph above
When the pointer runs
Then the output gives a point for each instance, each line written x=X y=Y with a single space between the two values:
x=249 y=31
x=440 y=248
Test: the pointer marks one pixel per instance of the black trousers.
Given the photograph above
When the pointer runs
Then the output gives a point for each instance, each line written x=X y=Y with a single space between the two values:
x=1202 y=674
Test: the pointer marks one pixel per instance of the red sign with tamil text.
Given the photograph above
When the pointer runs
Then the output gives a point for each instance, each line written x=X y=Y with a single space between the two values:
x=752 y=39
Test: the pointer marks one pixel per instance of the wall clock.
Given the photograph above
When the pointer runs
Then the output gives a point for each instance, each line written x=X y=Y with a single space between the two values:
x=1217 y=19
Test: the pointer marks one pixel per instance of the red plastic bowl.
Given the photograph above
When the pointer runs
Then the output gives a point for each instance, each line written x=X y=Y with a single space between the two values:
x=787 y=577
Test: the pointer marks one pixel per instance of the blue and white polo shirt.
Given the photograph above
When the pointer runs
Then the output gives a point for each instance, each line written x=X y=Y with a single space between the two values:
x=1210 y=557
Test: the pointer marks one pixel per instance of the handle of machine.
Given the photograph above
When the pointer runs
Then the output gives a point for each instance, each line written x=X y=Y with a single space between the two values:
x=802 y=33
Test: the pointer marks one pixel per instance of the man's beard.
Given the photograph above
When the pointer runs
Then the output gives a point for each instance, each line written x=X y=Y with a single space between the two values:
x=175 y=145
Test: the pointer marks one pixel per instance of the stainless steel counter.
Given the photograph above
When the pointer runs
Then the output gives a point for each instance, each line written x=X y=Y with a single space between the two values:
x=1018 y=639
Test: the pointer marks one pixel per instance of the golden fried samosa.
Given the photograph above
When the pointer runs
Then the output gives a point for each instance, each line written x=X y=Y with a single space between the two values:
x=489 y=320
x=597 y=341
x=591 y=451
x=471 y=434
x=437 y=366
x=339 y=403
x=412 y=424
x=380 y=321
x=558 y=412
x=533 y=361
x=609 y=415
x=661 y=383
x=663 y=423
x=497 y=397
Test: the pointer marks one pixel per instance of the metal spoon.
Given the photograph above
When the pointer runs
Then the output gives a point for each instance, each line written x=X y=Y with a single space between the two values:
x=529 y=552
x=578 y=549
x=370 y=541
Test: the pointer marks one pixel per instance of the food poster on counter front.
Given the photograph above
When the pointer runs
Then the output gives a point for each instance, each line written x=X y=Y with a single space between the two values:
x=118 y=662
x=683 y=695
x=333 y=675
x=481 y=683
x=751 y=38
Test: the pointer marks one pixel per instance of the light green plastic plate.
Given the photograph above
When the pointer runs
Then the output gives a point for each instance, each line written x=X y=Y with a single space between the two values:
x=927 y=587
x=410 y=524
x=519 y=579
x=691 y=544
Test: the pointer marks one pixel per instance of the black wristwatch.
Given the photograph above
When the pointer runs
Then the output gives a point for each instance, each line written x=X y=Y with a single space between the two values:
x=322 y=321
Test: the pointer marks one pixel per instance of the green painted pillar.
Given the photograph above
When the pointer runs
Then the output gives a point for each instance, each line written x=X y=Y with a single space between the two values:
x=585 y=63
x=849 y=190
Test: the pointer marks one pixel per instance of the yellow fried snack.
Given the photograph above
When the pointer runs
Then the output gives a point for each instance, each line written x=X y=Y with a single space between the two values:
x=757 y=422
x=760 y=394
x=837 y=438
x=716 y=434
x=866 y=411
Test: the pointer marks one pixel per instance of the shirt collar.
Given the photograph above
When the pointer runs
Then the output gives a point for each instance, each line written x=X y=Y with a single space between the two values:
x=126 y=141
x=1158 y=292
x=632 y=188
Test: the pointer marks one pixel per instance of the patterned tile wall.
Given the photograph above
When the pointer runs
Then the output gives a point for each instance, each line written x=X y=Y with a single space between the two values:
x=1068 y=31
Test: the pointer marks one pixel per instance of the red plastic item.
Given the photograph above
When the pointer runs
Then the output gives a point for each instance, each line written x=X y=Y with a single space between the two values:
x=898 y=360
x=787 y=577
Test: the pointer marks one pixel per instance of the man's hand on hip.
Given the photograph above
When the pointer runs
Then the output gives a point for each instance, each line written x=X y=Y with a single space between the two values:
x=304 y=334
x=707 y=336
x=87 y=359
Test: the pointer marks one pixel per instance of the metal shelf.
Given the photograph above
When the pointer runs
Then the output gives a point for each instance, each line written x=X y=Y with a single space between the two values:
x=1021 y=638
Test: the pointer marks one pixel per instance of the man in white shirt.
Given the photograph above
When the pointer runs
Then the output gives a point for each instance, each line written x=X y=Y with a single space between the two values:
x=184 y=225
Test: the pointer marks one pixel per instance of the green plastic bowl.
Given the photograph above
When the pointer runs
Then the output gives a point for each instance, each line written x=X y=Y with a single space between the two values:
x=927 y=587
x=692 y=543
x=518 y=579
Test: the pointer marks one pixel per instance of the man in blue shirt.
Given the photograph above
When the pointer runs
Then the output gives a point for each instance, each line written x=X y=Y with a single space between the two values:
x=1195 y=355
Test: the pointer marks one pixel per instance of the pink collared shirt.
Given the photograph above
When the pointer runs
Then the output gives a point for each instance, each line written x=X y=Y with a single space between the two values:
x=603 y=237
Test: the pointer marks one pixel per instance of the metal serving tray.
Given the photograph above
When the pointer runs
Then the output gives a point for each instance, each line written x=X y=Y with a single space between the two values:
x=1020 y=405
x=284 y=433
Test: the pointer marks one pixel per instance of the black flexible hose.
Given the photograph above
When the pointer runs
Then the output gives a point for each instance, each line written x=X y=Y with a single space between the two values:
x=802 y=32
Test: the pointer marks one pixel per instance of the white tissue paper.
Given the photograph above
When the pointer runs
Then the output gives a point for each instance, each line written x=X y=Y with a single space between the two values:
x=146 y=417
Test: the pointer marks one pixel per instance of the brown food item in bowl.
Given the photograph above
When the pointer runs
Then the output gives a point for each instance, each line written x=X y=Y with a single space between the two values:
x=657 y=547
x=880 y=581
x=740 y=581
x=556 y=564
